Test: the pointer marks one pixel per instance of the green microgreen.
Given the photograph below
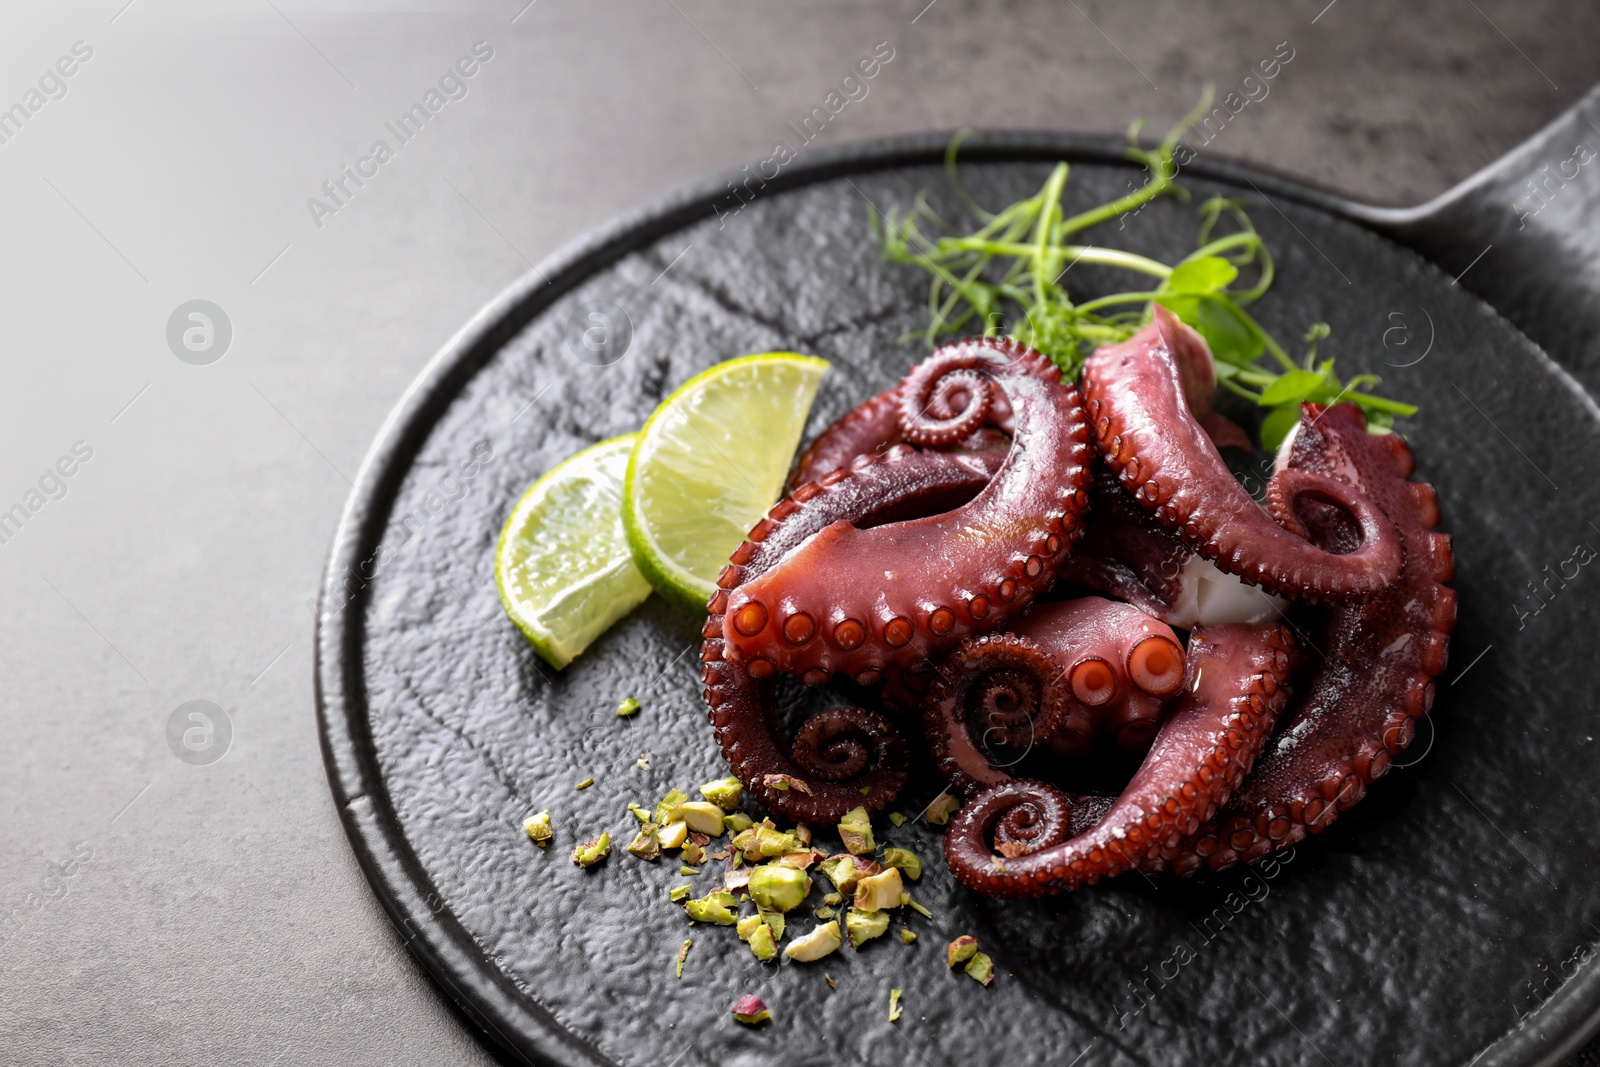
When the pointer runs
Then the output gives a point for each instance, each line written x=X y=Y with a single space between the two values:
x=1016 y=260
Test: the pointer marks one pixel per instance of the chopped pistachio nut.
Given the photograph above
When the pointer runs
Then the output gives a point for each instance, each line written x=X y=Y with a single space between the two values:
x=700 y=815
x=776 y=888
x=673 y=834
x=906 y=936
x=907 y=902
x=715 y=907
x=784 y=782
x=802 y=833
x=628 y=706
x=688 y=871
x=642 y=814
x=879 y=892
x=586 y=783
x=898 y=819
x=668 y=802
x=833 y=898
x=981 y=968
x=800 y=860
x=904 y=859
x=771 y=842
x=693 y=853
x=825 y=913
x=643 y=762
x=683 y=954
x=737 y=822
x=724 y=792
x=841 y=871
x=775 y=920
x=960 y=950
x=680 y=893
x=855 y=830
x=538 y=829
x=647 y=846
x=747 y=925
x=815 y=945
x=736 y=878
x=750 y=1010
x=592 y=852
x=863 y=926
x=894 y=1005
x=831 y=983
x=939 y=811
x=763 y=944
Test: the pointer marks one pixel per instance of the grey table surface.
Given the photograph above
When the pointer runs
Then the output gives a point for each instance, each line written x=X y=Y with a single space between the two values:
x=162 y=910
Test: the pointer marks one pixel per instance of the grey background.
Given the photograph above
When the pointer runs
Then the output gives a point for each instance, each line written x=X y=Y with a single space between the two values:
x=221 y=917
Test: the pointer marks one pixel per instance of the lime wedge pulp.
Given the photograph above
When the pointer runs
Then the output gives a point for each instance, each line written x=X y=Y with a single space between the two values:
x=708 y=465
x=563 y=565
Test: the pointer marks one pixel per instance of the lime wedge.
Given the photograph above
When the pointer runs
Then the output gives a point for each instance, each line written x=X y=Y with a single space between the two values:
x=563 y=565
x=709 y=464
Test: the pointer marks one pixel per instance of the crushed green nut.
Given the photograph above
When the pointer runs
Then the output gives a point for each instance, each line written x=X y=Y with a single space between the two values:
x=699 y=815
x=785 y=782
x=724 y=792
x=777 y=888
x=906 y=936
x=771 y=842
x=879 y=892
x=775 y=920
x=833 y=898
x=693 y=853
x=715 y=908
x=647 y=845
x=815 y=945
x=629 y=706
x=592 y=852
x=894 y=1005
x=898 y=819
x=841 y=871
x=763 y=944
x=586 y=783
x=863 y=926
x=688 y=871
x=939 y=811
x=750 y=1010
x=737 y=822
x=907 y=902
x=683 y=954
x=538 y=829
x=642 y=814
x=802 y=833
x=747 y=925
x=667 y=803
x=680 y=893
x=904 y=859
x=855 y=830
x=673 y=834
x=825 y=913
x=981 y=969
x=643 y=762
x=960 y=950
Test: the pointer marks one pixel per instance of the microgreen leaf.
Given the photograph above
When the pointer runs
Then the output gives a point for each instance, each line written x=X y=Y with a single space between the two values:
x=1208 y=274
x=1295 y=385
x=1279 y=421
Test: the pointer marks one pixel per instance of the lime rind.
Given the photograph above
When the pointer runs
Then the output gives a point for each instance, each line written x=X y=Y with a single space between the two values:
x=563 y=567
x=709 y=463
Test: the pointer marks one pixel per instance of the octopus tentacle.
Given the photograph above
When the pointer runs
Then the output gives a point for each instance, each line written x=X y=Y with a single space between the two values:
x=870 y=427
x=859 y=600
x=1118 y=661
x=1136 y=395
x=839 y=752
x=1237 y=685
x=1381 y=657
x=997 y=692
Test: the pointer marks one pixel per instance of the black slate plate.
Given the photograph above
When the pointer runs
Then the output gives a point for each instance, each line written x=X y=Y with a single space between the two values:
x=1441 y=922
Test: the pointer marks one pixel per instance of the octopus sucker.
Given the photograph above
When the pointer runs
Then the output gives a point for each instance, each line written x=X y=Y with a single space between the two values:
x=895 y=576
x=1227 y=668
x=1141 y=398
x=1381 y=655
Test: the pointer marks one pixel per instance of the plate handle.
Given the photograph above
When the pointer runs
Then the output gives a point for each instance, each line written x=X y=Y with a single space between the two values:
x=1524 y=233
